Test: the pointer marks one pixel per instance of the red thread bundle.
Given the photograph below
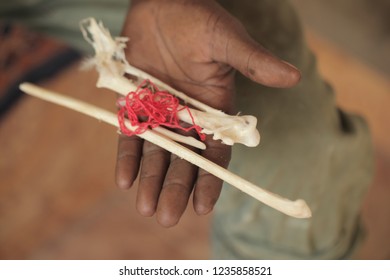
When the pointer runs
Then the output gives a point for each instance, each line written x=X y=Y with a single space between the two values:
x=148 y=107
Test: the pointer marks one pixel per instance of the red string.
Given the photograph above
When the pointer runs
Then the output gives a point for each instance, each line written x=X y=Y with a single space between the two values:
x=148 y=107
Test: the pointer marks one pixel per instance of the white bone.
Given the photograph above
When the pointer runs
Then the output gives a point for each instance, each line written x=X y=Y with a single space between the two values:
x=111 y=63
x=297 y=208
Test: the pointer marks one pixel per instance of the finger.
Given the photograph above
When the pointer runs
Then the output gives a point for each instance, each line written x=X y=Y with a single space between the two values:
x=177 y=188
x=128 y=160
x=208 y=187
x=235 y=47
x=153 y=169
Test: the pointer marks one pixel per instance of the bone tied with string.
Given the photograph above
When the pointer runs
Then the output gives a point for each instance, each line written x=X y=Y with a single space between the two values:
x=112 y=66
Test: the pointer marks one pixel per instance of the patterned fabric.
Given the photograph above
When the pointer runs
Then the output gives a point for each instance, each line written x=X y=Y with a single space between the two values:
x=27 y=56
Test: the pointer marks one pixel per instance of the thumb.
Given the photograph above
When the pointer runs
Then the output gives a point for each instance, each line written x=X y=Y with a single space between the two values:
x=236 y=48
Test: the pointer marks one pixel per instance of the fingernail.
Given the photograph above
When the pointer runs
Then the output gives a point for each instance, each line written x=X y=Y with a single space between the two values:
x=203 y=210
x=290 y=65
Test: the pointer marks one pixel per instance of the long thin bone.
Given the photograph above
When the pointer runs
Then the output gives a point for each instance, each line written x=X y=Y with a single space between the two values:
x=111 y=63
x=297 y=209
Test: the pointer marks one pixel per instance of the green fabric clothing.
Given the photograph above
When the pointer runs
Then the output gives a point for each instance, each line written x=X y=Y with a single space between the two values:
x=309 y=148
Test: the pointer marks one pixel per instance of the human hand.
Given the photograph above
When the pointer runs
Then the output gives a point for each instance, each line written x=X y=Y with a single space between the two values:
x=195 y=46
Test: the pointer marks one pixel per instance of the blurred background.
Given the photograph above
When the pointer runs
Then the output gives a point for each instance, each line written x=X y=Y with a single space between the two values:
x=57 y=194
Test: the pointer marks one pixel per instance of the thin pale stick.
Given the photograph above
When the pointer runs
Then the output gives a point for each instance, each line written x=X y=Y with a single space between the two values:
x=191 y=141
x=297 y=209
x=129 y=69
